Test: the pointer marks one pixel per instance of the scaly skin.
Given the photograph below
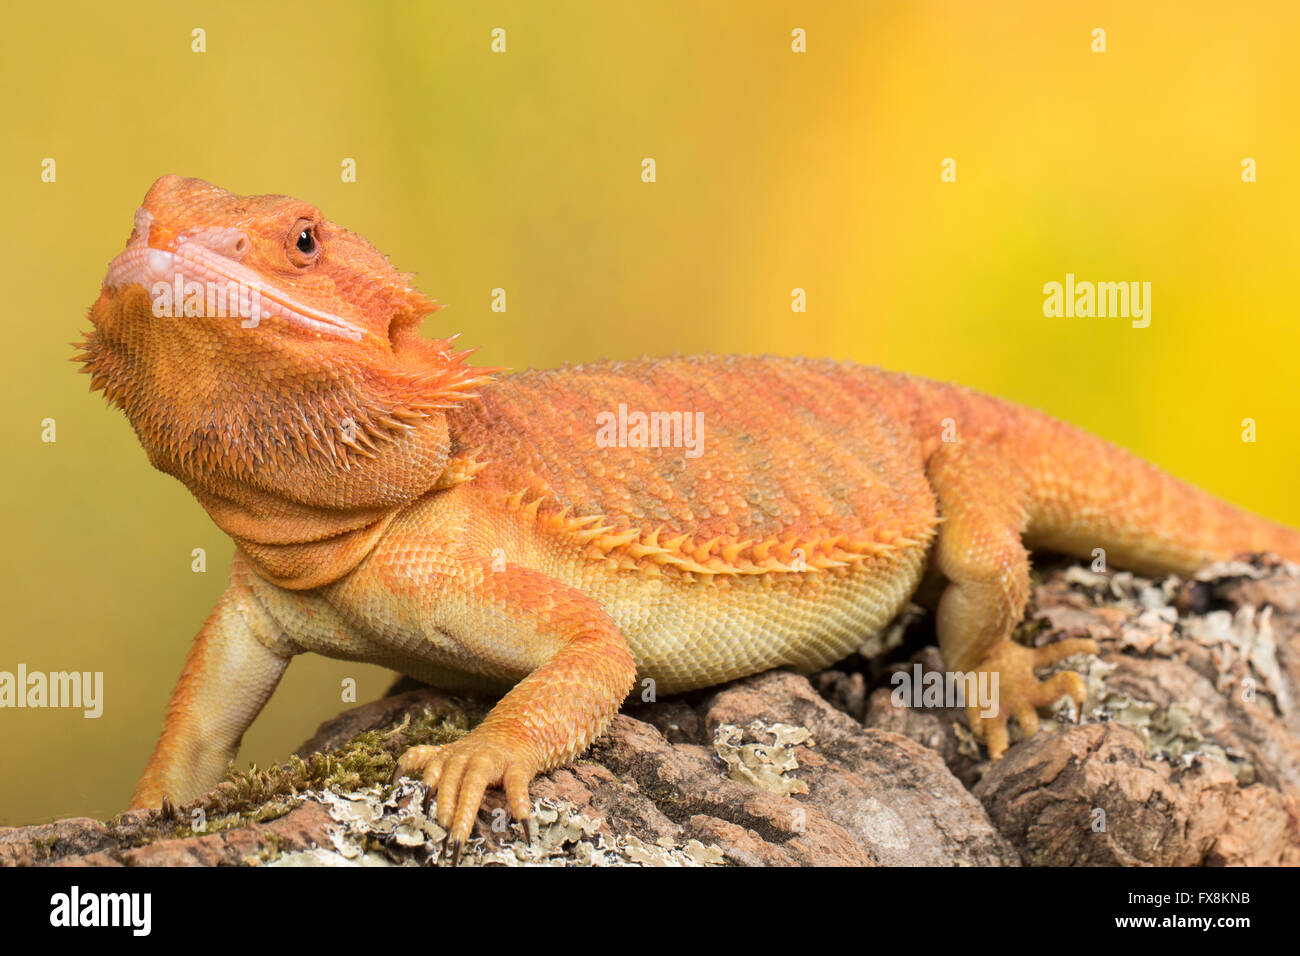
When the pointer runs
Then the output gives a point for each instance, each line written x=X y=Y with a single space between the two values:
x=392 y=504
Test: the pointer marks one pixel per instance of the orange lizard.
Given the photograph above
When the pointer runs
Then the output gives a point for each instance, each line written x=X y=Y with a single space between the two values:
x=531 y=533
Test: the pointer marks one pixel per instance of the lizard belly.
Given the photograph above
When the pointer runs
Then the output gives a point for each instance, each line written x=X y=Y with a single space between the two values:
x=683 y=635
x=686 y=635
x=411 y=606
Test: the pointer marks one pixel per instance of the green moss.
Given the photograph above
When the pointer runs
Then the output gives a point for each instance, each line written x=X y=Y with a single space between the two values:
x=256 y=796
x=1028 y=630
x=274 y=847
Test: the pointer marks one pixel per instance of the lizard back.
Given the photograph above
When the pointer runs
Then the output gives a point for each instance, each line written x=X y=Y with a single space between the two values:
x=793 y=460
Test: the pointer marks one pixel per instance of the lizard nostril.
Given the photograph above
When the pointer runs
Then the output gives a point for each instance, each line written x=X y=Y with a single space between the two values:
x=228 y=242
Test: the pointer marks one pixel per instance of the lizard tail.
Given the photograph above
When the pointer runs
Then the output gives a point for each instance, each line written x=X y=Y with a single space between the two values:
x=1087 y=493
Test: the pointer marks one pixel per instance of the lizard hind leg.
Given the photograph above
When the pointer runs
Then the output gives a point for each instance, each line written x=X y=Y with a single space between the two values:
x=982 y=500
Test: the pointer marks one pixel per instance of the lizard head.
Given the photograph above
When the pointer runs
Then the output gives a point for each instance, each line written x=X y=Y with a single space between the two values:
x=263 y=352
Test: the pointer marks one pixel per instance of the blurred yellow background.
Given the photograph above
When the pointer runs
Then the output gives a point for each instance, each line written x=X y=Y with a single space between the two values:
x=522 y=170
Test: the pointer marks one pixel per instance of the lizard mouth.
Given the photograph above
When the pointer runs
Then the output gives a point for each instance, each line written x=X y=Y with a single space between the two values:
x=203 y=277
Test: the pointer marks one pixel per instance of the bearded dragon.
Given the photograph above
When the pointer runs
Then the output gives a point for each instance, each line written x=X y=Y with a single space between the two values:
x=393 y=504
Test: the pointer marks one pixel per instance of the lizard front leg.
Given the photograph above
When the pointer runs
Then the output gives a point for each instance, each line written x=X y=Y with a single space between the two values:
x=228 y=676
x=582 y=669
x=983 y=503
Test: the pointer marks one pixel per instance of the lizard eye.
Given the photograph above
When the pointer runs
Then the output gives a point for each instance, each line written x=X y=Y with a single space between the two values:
x=302 y=243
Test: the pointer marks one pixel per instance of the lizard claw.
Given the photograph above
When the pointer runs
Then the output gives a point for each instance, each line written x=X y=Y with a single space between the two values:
x=457 y=775
x=1020 y=693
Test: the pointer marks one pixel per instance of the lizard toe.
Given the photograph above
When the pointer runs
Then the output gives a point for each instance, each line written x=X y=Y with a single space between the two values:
x=516 y=780
x=413 y=760
x=460 y=773
x=1059 y=651
x=1020 y=693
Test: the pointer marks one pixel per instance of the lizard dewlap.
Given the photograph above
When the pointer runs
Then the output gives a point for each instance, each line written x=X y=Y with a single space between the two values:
x=556 y=535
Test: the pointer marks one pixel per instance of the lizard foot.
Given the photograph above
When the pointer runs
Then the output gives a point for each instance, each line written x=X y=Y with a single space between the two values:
x=1020 y=693
x=458 y=774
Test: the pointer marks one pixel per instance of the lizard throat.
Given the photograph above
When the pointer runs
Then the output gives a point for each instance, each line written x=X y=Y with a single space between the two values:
x=346 y=539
